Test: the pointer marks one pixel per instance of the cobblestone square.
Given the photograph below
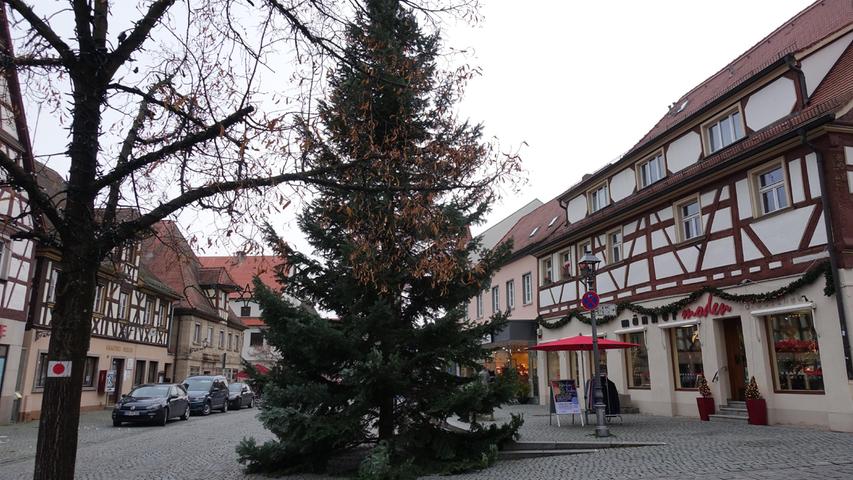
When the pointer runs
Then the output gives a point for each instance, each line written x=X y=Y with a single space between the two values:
x=204 y=448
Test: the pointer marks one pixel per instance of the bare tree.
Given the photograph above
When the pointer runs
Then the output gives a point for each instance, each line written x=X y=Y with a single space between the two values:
x=166 y=111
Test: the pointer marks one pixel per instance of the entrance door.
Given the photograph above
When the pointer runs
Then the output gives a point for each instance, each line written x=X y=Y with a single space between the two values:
x=735 y=357
x=117 y=368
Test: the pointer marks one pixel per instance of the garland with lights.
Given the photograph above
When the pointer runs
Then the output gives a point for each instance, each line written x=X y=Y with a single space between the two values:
x=673 y=308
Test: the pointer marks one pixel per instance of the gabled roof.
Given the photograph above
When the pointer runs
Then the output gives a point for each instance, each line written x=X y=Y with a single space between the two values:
x=808 y=27
x=244 y=268
x=216 y=277
x=536 y=226
x=168 y=255
x=493 y=235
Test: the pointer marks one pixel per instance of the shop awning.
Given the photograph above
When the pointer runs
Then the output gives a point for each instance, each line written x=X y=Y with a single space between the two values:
x=797 y=307
x=580 y=342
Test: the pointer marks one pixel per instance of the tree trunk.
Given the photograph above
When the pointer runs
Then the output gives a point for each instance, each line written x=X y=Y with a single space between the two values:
x=71 y=323
x=56 y=451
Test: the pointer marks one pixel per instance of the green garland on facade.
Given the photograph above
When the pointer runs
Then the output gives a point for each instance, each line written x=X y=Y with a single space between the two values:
x=679 y=305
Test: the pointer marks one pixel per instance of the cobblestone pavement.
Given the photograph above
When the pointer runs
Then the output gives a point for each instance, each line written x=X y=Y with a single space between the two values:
x=204 y=448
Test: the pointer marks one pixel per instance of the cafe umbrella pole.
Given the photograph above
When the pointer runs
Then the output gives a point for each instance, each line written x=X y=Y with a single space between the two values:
x=587 y=266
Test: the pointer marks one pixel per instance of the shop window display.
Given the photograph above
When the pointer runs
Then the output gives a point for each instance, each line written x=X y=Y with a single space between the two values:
x=687 y=357
x=795 y=354
x=637 y=361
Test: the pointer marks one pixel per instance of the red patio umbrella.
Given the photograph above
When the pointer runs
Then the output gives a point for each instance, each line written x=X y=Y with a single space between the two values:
x=575 y=344
x=580 y=342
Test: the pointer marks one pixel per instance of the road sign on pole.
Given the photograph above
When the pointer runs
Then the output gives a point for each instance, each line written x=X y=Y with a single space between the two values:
x=607 y=309
x=589 y=300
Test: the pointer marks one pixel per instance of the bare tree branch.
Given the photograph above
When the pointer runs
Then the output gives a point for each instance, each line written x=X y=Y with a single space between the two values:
x=133 y=41
x=27 y=182
x=45 y=31
x=211 y=132
x=32 y=61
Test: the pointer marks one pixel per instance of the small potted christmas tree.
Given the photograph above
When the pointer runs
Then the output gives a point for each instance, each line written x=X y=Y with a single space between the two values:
x=756 y=406
x=706 y=401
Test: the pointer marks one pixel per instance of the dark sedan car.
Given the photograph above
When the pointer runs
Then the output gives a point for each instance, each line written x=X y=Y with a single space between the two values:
x=155 y=403
x=240 y=395
x=207 y=392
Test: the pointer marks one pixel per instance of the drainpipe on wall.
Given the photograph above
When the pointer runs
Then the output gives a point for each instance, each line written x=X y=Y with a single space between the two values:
x=833 y=255
x=792 y=64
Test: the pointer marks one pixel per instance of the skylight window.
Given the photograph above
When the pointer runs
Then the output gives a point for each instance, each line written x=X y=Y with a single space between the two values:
x=551 y=223
x=533 y=232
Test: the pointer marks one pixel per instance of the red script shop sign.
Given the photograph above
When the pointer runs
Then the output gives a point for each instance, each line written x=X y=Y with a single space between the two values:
x=710 y=308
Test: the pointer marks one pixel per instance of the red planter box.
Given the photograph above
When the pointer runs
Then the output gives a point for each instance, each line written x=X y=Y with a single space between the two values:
x=757 y=410
x=706 y=407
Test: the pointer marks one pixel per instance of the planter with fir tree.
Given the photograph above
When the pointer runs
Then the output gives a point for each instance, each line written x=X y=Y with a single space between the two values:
x=706 y=401
x=755 y=405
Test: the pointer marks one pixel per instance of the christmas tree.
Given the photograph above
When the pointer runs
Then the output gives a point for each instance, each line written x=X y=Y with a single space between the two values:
x=752 y=392
x=394 y=272
x=704 y=389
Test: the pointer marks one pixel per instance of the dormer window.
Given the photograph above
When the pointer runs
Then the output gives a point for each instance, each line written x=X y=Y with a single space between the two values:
x=723 y=130
x=553 y=221
x=651 y=170
x=598 y=197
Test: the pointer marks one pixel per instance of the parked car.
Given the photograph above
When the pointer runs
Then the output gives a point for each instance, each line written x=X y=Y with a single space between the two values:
x=240 y=395
x=155 y=403
x=207 y=393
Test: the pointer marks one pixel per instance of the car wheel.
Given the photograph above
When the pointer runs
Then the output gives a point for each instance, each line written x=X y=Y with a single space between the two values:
x=116 y=423
x=162 y=422
x=206 y=409
x=252 y=402
x=225 y=406
x=186 y=415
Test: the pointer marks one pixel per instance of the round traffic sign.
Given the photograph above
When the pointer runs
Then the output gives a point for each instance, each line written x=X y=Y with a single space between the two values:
x=589 y=300
x=58 y=369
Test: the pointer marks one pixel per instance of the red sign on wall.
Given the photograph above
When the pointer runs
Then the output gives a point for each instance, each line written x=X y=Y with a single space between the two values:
x=710 y=308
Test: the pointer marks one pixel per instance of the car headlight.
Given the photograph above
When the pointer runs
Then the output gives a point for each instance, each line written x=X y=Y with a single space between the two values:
x=153 y=407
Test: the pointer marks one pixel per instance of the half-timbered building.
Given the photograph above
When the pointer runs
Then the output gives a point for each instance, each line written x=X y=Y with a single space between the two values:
x=16 y=255
x=725 y=236
x=207 y=336
x=131 y=322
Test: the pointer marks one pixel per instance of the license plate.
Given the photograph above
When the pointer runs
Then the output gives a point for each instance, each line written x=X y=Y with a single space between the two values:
x=131 y=414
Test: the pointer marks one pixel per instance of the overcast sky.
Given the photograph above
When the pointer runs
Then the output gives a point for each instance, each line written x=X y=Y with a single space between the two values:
x=582 y=82
x=578 y=82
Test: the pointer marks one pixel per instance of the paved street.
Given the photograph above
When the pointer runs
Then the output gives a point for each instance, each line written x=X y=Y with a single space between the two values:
x=204 y=448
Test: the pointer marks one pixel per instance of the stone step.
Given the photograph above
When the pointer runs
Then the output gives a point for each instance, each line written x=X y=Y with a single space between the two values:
x=737 y=403
x=627 y=410
x=733 y=410
x=728 y=418
x=520 y=454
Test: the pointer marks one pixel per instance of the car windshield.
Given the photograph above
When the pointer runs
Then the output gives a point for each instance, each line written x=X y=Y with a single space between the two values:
x=235 y=387
x=151 y=391
x=199 y=385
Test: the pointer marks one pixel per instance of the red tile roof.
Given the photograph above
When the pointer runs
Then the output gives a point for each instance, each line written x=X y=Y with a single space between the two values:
x=216 y=276
x=814 y=23
x=244 y=268
x=539 y=220
x=253 y=321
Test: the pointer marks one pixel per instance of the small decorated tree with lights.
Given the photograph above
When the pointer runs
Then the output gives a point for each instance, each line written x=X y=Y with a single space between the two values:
x=755 y=405
x=705 y=401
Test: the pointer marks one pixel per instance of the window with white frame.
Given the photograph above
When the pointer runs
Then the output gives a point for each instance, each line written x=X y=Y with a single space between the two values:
x=724 y=130
x=651 y=170
x=480 y=305
x=496 y=299
x=98 y=306
x=150 y=311
x=510 y=294
x=527 y=288
x=162 y=320
x=51 y=286
x=123 y=305
x=689 y=215
x=547 y=269
x=566 y=264
x=221 y=339
x=197 y=333
x=584 y=248
x=770 y=187
x=614 y=246
x=5 y=256
x=598 y=197
x=210 y=336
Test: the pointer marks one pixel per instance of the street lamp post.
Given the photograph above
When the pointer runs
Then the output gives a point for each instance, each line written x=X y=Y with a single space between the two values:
x=587 y=266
